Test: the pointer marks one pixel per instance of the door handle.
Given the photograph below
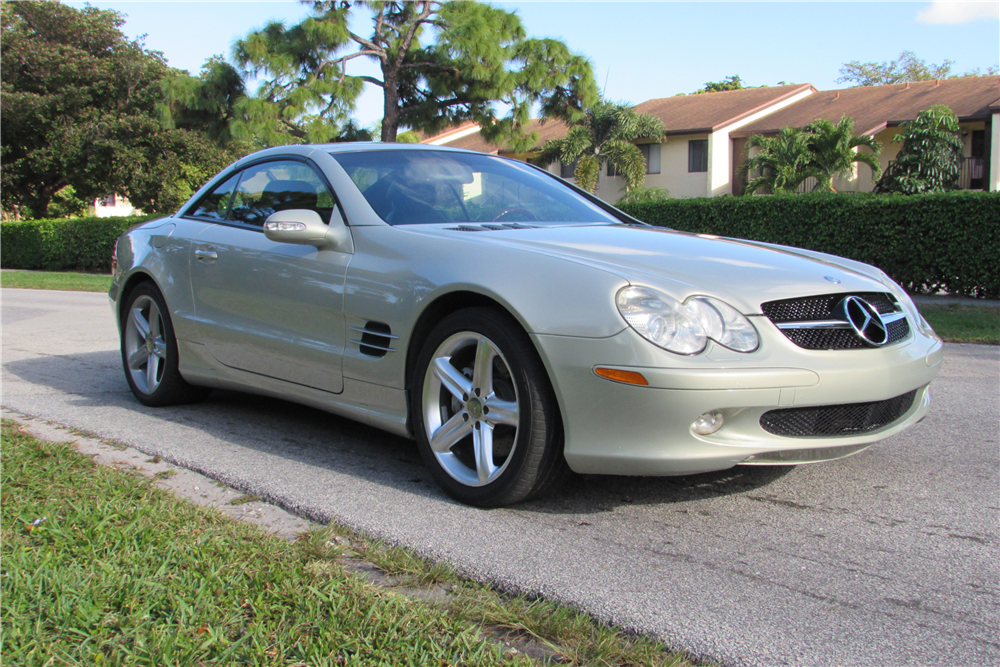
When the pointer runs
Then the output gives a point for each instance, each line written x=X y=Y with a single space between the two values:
x=206 y=254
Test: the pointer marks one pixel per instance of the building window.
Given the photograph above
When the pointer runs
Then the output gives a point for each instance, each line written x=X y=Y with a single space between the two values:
x=567 y=170
x=650 y=153
x=698 y=155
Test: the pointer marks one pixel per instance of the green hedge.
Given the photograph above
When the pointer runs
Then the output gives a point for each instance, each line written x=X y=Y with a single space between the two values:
x=69 y=244
x=928 y=242
x=925 y=242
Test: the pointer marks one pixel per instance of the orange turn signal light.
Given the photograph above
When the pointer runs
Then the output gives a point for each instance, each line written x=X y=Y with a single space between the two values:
x=628 y=377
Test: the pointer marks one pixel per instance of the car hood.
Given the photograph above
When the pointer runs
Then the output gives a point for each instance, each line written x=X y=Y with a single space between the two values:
x=744 y=273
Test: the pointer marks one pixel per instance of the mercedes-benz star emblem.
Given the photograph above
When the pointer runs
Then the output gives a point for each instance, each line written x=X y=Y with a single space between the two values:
x=864 y=318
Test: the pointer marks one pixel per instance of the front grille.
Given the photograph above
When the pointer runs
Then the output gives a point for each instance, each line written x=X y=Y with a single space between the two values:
x=823 y=309
x=842 y=339
x=836 y=420
x=825 y=339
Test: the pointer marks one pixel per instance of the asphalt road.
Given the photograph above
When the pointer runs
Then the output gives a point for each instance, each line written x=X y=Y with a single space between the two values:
x=886 y=558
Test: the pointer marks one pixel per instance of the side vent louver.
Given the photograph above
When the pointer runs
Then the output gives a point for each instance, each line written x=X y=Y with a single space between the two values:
x=376 y=339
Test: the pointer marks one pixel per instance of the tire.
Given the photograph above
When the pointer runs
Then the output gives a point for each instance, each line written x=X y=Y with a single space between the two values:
x=502 y=444
x=149 y=351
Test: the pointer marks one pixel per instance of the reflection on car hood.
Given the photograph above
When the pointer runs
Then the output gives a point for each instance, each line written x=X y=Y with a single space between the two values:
x=744 y=273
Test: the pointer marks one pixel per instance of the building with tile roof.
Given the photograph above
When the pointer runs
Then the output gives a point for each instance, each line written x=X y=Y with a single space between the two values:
x=707 y=133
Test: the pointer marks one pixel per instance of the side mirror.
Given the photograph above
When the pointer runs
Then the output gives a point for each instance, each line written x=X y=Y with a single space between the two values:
x=305 y=227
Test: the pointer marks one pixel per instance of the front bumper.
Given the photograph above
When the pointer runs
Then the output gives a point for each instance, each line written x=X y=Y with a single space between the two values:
x=615 y=428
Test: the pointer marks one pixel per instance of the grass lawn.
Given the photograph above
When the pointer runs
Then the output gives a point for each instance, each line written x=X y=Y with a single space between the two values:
x=964 y=324
x=102 y=567
x=74 y=282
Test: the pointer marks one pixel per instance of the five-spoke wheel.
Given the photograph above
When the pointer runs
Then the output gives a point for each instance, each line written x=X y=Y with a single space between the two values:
x=470 y=409
x=145 y=350
x=484 y=412
x=149 y=351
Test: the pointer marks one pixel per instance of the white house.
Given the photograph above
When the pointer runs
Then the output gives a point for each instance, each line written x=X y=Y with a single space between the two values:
x=707 y=133
x=112 y=206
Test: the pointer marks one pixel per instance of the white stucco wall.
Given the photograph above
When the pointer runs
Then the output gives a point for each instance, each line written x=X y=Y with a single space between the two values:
x=720 y=164
x=720 y=147
x=674 y=174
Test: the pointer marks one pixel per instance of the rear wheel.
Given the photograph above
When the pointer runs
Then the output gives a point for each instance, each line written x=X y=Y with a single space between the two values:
x=149 y=351
x=484 y=413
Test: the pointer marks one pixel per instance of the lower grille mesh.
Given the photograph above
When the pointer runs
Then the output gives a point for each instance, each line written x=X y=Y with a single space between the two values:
x=834 y=420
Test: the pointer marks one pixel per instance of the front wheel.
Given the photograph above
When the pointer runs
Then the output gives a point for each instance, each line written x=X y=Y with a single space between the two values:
x=149 y=351
x=484 y=413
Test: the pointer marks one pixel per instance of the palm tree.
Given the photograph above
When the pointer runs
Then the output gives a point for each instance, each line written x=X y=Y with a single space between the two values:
x=781 y=163
x=605 y=136
x=834 y=151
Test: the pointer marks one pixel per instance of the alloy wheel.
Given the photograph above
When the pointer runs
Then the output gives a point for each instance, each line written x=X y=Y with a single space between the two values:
x=145 y=346
x=470 y=409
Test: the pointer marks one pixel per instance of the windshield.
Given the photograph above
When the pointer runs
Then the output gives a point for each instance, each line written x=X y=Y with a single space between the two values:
x=409 y=187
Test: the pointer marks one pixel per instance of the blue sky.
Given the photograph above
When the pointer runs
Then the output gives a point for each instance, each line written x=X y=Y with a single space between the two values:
x=645 y=50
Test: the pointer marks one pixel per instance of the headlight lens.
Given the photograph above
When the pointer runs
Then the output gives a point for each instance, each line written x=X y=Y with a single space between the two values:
x=685 y=328
x=908 y=304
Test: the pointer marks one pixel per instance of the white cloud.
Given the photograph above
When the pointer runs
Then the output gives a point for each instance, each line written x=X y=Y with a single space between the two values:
x=959 y=12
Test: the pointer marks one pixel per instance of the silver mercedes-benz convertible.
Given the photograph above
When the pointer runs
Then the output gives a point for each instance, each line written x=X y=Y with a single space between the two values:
x=515 y=326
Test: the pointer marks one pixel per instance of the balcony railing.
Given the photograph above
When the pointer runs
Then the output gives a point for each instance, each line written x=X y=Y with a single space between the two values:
x=972 y=174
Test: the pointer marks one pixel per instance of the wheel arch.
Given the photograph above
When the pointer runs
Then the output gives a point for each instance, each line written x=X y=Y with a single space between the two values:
x=135 y=279
x=441 y=307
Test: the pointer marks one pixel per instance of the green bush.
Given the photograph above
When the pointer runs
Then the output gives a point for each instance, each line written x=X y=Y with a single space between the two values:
x=70 y=244
x=928 y=242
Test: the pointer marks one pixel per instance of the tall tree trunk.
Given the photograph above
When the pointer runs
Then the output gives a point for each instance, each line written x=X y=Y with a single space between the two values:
x=40 y=204
x=390 y=105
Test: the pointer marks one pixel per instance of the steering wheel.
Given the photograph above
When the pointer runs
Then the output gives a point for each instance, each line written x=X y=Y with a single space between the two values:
x=519 y=210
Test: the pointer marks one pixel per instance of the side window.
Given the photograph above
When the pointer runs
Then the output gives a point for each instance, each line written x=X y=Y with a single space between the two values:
x=650 y=153
x=279 y=186
x=697 y=155
x=215 y=204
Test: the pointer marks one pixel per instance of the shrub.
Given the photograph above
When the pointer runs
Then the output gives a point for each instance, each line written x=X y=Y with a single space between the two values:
x=925 y=242
x=643 y=195
x=71 y=244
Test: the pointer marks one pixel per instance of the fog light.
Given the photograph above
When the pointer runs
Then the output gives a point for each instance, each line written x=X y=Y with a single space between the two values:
x=708 y=423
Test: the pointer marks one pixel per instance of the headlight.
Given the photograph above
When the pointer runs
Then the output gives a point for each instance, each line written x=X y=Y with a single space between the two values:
x=908 y=305
x=685 y=328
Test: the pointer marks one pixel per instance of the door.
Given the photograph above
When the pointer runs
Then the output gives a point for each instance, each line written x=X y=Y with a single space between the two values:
x=274 y=309
x=977 y=176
